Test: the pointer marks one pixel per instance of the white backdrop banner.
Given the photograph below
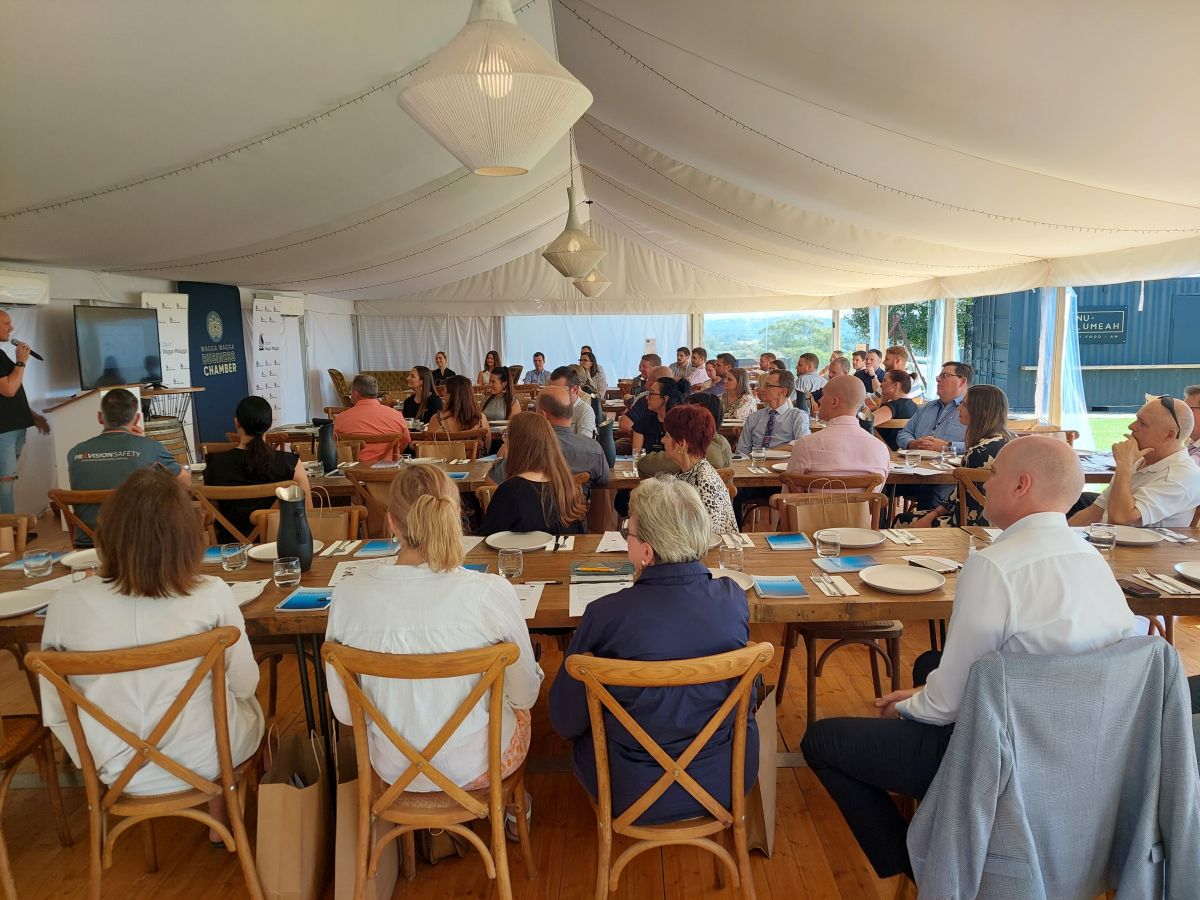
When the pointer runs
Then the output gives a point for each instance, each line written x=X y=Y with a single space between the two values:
x=470 y=338
x=266 y=355
x=331 y=345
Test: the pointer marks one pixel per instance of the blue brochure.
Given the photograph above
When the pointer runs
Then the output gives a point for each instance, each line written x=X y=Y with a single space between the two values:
x=377 y=548
x=779 y=587
x=839 y=565
x=306 y=599
x=796 y=541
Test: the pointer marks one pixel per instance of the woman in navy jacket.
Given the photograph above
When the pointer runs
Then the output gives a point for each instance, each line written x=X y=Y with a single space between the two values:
x=675 y=610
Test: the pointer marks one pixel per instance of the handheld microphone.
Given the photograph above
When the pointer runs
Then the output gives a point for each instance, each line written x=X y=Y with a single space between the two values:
x=32 y=353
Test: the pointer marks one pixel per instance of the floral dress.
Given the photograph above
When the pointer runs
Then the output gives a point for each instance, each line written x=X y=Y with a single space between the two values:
x=978 y=456
x=713 y=494
x=739 y=409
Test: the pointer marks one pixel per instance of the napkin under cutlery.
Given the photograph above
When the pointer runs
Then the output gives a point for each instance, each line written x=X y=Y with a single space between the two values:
x=834 y=586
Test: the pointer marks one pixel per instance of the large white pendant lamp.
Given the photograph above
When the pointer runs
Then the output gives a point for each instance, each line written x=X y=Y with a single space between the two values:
x=493 y=97
x=593 y=284
x=573 y=252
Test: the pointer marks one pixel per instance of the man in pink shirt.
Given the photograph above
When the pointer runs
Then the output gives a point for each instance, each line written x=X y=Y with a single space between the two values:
x=842 y=447
x=367 y=415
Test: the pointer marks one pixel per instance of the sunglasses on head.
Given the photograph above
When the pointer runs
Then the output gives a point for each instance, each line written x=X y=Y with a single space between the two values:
x=1169 y=402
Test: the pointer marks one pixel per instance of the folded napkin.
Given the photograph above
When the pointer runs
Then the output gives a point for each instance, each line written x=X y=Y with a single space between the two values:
x=936 y=563
x=843 y=585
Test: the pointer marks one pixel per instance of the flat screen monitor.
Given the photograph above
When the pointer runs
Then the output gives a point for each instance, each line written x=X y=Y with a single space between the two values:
x=117 y=345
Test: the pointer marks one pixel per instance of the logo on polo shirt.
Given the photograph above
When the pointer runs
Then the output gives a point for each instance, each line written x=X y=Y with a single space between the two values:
x=215 y=326
x=104 y=456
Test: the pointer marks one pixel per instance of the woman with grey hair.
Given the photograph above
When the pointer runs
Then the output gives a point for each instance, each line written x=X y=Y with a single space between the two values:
x=675 y=610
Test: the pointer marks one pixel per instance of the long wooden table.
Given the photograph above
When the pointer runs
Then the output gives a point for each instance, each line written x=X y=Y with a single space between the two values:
x=263 y=621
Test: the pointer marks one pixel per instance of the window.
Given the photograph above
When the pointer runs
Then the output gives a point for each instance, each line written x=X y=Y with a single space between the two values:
x=787 y=335
x=617 y=341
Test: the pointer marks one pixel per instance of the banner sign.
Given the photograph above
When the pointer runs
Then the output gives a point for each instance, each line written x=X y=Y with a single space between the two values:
x=218 y=355
x=1102 y=325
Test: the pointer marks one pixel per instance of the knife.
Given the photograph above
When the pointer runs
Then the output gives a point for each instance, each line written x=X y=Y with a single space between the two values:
x=1179 y=586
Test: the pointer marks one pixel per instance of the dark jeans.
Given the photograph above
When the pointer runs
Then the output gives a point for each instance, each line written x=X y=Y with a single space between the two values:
x=860 y=760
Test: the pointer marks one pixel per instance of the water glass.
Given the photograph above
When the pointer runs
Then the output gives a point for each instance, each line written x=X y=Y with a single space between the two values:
x=233 y=557
x=912 y=458
x=829 y=542
x=731 y=558
x=758 y=457
x=82 y=572
x=1103 y=537
x=287 y=571
x=37 y=563
x=511 y=563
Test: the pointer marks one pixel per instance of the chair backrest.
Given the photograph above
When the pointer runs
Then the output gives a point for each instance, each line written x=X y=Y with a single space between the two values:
x=812 y=512
x=472 y=439
x=65 y=502
x=1069 y=435
x=347 y=451
x=483 y=494
x=514 y=373
x=488 y=663
x=446 y=449
x=727 y=478
x=341 y=387
x=391 y=441
x=395 y=398
x=216 y=447
x=968 y=481
x=892 y=423
x=337 y=523
x=813 y=484
x=207 y=648
x=210 y=497
x=1196 y=518
x=372 y=487
x=19 y=523
x=168 y=431
x=598 y=675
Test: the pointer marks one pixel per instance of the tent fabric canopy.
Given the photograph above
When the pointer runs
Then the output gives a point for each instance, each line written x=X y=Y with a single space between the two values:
x=764 y=156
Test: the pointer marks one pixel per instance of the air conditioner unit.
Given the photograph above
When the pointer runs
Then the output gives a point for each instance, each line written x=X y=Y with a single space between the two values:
x=24 y=288
x=289 y=304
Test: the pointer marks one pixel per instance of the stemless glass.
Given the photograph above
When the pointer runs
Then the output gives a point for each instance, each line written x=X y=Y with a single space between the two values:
x=37 y=563
x=510 y=563
x=829 y=542
x=233 y=557
x=758 y=457
x=731 y=558
x=912 y=458
x=79 y=574
x=287 y=571
x=1104 y=537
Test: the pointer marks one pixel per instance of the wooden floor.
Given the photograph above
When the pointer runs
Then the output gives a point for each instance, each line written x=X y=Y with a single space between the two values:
x=815 y=856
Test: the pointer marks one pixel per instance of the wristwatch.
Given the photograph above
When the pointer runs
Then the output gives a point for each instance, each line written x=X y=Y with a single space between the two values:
x=21 y=364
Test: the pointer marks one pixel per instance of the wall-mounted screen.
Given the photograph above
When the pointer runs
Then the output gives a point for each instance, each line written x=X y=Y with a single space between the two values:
x=117 y=345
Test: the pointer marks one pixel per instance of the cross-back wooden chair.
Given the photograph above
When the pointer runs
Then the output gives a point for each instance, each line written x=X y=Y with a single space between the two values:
x=483 y=494
x=889 y=425
x=334 y=523
x=968 y=482
x=390 y=441
x=372 y=487
x=446 y=449
x=823 y=504
x=453 y=808
x=64 y=503
x=20 y=524
x=598 y=675
x=108 y=801
x=474 y=438
x=727 y=480
x=21 y=737
x=1069 y=435
x=347 y=451
x=331 y=411
x=209 y=447
x=211 y=496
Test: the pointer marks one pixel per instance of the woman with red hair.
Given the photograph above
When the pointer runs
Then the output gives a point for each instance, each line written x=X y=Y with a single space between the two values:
x=688 y=430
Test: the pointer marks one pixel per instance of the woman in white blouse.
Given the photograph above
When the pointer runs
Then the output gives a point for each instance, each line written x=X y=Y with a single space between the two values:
x=738 y=401
x=149 y=590
x=427 y=603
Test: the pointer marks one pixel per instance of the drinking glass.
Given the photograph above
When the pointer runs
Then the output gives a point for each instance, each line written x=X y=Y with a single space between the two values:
x=637 y=457
x=731 y=558
x=287 y=571
x=511 y=563
x=37 y=563
x=758 y=457
x=79 y=574
x=1103 y=536
x=912 y=458
x=829 y=542
x=946 y=455
x=233 y=557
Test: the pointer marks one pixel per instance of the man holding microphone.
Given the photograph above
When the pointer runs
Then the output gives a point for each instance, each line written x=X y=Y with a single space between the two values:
x=15 y=414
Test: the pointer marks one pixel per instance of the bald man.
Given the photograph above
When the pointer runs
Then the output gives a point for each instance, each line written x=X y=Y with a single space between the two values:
x=1156 y=482
x=1038 y=588
x=582 y=453
x=842 y=447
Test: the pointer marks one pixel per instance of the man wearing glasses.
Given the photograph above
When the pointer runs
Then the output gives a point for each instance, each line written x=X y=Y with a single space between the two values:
x=1191 y=396
x=936 y=425
x=1157 y=484
x=778 y=422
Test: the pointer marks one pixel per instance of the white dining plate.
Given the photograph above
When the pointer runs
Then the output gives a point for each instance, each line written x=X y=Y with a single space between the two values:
x=780 y=467
x=902 y=579
x=427 y=460
x=779 y=454
x=741 y=579
x=1189 y=570
x=269 y=553
x=1128 y=536
x=714 y=540
x=518 y=540
x=858 y=538
x=27 y=600
x=81 y=559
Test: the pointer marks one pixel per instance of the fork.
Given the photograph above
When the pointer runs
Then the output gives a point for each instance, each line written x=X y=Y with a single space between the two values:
x=819 y=578
x=1144 y=574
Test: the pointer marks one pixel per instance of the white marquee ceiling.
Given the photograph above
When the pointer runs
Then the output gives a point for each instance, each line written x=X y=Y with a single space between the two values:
x=764 y=154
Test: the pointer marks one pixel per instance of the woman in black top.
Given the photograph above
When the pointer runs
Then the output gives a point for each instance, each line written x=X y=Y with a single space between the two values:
x=441 y=369
x=664 y=395
x=253 y=461
x=539 y=486
x=895 y=384
x=423 y=403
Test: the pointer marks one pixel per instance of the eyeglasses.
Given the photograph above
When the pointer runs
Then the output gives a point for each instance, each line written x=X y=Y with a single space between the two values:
x=625 y=532
x=944 y=375
x=1169 y=402
x=770 y=384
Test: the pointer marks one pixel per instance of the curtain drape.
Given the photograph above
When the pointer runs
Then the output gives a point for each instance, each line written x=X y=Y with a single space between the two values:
x=1059 y=332
x=400 y=342
x=331 y=345
x=617 y=341
x=469 y=340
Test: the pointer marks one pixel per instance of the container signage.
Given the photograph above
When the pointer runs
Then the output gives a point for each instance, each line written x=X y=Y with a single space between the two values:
x=1102 y=326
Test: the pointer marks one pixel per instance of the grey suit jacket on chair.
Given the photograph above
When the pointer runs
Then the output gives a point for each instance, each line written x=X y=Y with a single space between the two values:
x=1066 y=775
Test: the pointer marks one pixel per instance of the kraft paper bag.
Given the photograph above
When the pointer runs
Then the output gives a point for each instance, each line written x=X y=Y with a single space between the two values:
x=293 y=822
x=345 y=852
x=760 y=802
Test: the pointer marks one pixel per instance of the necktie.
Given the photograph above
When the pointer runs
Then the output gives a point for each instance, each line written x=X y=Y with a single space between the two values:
x=770 y=429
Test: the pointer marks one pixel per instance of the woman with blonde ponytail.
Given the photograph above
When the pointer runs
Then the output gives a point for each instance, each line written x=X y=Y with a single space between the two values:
x=423 y=601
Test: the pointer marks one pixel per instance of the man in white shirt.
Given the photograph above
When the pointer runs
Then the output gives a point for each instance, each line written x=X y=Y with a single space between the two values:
x=807 y=380
x=583 y=417
x=1156 y=482
x=682 y=367
x=1039 y=588
x=842 y=447
x=699 y=358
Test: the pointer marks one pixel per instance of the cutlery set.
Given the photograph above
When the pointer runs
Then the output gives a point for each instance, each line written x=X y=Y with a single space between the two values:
x=1164 y=584
x=901 y=536
x=341 y=548
x=734 y=541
